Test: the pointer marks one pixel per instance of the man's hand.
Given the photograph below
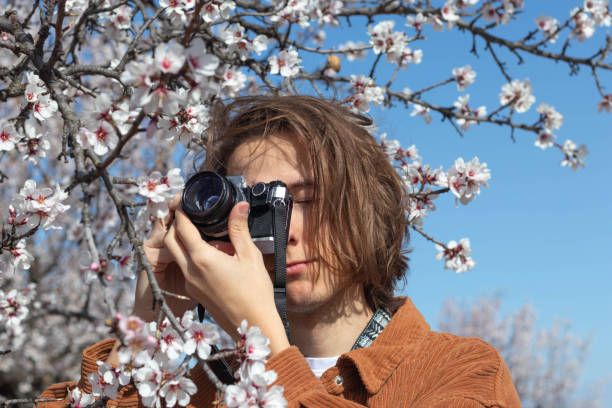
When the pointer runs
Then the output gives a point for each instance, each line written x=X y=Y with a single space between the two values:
x=231 y=287
x=167 y=273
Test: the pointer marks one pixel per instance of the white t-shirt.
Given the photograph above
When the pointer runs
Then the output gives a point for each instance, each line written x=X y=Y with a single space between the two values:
x=319 y=365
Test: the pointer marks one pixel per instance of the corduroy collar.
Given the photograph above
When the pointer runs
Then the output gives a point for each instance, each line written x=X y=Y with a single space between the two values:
x=376 y=363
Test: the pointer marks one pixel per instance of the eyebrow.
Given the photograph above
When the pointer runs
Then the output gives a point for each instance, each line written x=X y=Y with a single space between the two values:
x=300 y=184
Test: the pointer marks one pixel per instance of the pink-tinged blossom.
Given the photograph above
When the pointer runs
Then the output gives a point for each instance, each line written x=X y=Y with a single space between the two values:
x=584 y=26
x=148 y=380
x=420 y=206
x=170 y=57
x=464 y=76
x=394 y=151
x=8 y=135
x=237 y=41
x=384 y=40
x=125 y=266
x=44 y=107
x=233 y=81
x=170 y=343
x=286 y=64
x=549 y=27
x=574 y=156
x=101 y=139
x=175 y=10
x=186 y=123
x=200 y=62
x=159 y=190
x=35 y=87
x=551 y=118
x=456 y=255
x=13 y=306
x=129 y=326
x=76 y=7
x=254 y=344
x=490 y=13
x=200 y=337
x=420 y=110
x=104 y=382
x=364 y=93
x=40 y=206
x=78 y=398
x=22 y=259
x=545 y=139
x=178 y=391
x=252 y=388
x=465 y=179
x=600 y=11
x=449 y=12
x=34 y=145
x=463 y=109
x=216 y=9
x=605 y=104
x=121 y=18
x=418 y=22
x=139 y=73
x=518 y=94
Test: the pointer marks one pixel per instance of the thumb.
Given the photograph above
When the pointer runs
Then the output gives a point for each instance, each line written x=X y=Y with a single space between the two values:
x=238 y=229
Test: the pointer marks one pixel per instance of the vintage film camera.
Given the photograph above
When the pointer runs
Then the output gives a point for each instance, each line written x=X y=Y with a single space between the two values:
x=209 y=197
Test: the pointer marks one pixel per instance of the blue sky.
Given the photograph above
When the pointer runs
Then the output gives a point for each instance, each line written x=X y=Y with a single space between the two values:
x=540 y=233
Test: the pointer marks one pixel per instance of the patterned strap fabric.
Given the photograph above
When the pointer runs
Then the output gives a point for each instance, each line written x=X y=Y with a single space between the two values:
x=374 y=327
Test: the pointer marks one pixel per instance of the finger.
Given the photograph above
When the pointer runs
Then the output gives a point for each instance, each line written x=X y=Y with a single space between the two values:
x=159 y=257
x=238 y=229
x=175 y=202
x=176 y=248
x=190 y=238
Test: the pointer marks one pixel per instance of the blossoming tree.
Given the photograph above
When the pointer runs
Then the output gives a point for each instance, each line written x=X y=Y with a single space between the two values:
x=99 y=97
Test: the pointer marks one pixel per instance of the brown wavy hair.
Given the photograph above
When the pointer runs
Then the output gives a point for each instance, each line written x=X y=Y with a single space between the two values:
x=358 y=195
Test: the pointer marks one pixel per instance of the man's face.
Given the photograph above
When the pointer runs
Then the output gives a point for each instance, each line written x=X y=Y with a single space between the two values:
x=279 y=158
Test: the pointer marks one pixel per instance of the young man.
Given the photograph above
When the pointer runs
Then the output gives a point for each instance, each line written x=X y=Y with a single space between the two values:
x=344 y=258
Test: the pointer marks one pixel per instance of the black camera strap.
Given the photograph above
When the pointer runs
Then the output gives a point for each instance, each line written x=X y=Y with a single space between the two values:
x=280 y=261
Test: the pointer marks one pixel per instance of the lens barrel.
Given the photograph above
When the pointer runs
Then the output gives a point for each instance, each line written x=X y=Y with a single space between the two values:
x=207 y=199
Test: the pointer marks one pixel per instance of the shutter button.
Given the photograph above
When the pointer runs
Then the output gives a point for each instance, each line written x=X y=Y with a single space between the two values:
x=338 y=380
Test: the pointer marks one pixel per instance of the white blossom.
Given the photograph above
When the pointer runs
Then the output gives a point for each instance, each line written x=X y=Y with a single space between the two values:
x=104 y=382
x=584 y=26
x=286 y=64
x=178 y=391
x=464 y=77
x=463 y=109
x=101 y=139
x=34 y=145
x=8 y=135
x=44 y=107
x=574 y=157
x=465 y=179
x=545 y=139
x=170 y=57
x=518 y=94
x=456 y=255
x=78 y=398
x=159 y=190
x=548 y=26
x=420 y=110
x=552 y=119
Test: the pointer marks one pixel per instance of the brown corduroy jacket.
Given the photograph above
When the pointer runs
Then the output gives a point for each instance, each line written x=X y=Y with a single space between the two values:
x=408 y=365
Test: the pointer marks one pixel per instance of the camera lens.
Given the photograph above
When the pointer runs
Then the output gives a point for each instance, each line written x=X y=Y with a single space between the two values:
x=207 y=200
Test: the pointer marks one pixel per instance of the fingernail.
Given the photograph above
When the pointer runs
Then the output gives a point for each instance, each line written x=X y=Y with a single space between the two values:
x=243 y=209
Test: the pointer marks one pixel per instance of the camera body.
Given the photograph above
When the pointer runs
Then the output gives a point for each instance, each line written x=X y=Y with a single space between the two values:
x=209 y=197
